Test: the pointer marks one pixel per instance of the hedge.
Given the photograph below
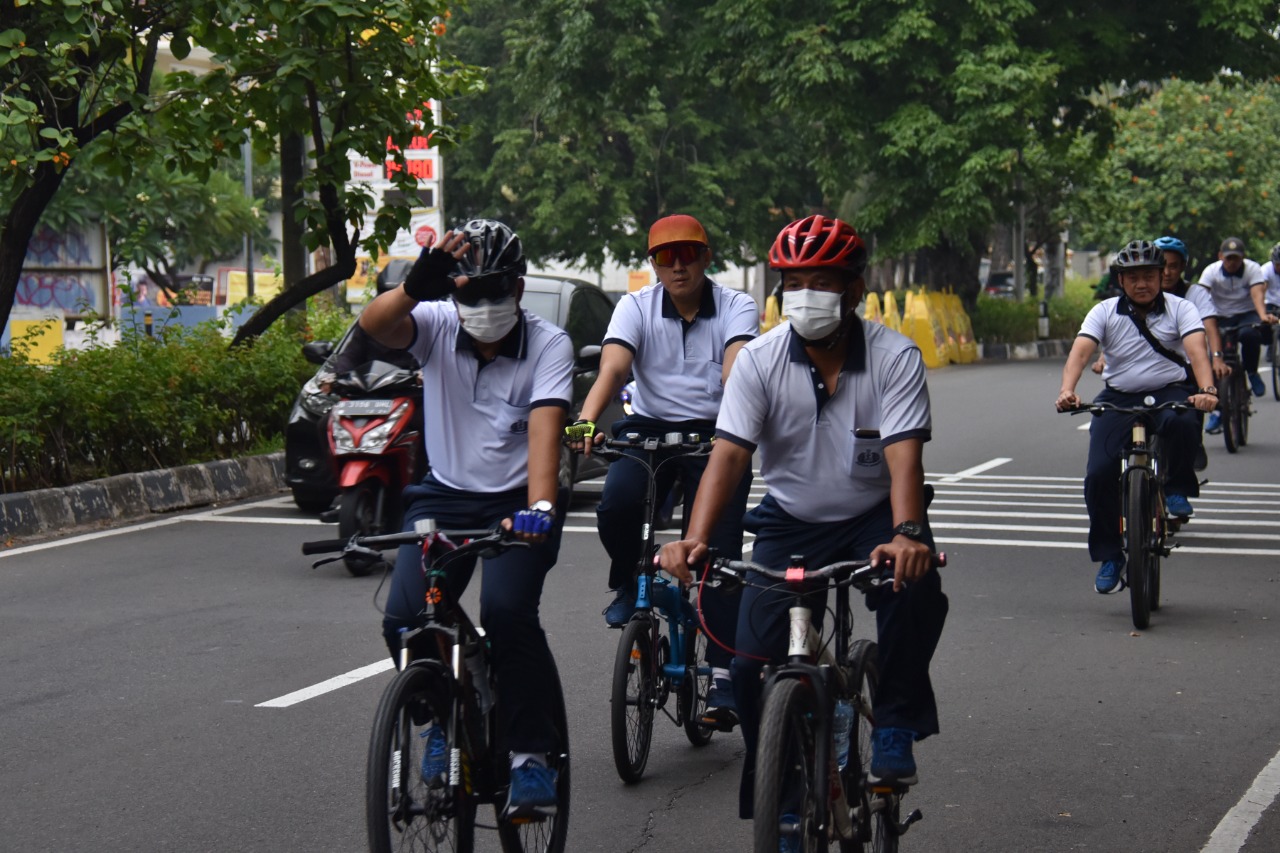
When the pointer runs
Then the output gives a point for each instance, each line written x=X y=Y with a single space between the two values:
x=181 y=397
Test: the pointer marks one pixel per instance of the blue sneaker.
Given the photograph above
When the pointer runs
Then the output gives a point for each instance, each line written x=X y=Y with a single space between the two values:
x=1178 y=506
x=533 y=790
x=788 y=834
x=619 y=612
x=1213 y=426
x=435 y=757
x=1109 y=576
x=722 y=711
x=1255 y=382
x=891 y=759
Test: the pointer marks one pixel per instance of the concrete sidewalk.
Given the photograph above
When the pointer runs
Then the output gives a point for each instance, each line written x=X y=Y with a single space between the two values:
x=46 y=513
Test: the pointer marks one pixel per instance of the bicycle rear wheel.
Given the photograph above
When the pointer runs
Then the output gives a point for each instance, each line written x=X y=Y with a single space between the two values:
x=1245 y=402
x=1137 y=533
x=545 y=834
x=1275 y=363
x=634 y=699
x=1227 y=408
x=696 y=686
x=402 y=811
x=786 y=796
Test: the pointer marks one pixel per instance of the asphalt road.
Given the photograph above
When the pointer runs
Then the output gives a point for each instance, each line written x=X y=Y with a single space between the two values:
x=134 y=667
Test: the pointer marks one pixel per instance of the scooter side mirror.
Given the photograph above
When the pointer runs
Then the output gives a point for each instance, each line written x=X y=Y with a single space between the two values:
x=317 y=352
x=589 y=357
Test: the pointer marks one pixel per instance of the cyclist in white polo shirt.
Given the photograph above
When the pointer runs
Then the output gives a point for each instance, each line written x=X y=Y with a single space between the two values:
x=1239 y=288
x=496 y=383
x=1149 y=336
x=1271 y=272
x=839 y=411
x=679 y=337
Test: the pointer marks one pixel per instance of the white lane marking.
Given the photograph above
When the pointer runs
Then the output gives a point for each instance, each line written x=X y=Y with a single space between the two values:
x=1232 y=832
x=252 y=519
x=1084 y=426
x=1080 y=478
x=976 y=469
x=1031 y=543
x=970 y=513
x=335 y=683
x=1193 y=534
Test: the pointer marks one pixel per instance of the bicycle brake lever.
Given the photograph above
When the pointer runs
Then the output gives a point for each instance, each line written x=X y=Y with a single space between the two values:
x=318 y=563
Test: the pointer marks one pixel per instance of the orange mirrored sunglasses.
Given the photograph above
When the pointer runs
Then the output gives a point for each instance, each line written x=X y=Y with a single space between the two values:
x=686 y=253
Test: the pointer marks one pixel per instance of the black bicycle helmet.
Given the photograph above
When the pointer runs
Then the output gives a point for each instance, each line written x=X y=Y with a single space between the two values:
x=1139 y=254
x=495 y=250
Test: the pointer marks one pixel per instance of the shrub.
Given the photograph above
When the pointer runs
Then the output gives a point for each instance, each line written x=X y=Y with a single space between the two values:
x=181 y=397
x=1003 y=321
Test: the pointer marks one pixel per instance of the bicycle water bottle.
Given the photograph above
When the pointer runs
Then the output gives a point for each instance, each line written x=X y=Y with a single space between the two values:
x=841 y=724
x=479 y=676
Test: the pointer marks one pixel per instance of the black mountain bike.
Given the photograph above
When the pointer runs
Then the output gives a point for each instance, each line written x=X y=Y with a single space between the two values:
x=800 y=790
x=446 y=681
x=662 y=648
x=1235 y=399
x=1148 y=530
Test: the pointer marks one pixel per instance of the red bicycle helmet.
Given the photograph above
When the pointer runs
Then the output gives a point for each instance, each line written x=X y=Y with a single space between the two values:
x=819 y=241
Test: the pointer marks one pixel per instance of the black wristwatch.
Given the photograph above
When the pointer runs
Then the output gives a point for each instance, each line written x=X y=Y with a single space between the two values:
x=911 y=530
x=543 y=506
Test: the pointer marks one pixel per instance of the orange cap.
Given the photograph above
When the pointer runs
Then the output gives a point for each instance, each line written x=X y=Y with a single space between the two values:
x=680 y=228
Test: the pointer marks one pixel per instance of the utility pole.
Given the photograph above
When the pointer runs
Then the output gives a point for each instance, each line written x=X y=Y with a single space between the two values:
x=247 y=151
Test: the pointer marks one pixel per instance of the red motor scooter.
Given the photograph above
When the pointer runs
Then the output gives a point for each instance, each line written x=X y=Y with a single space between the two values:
x=375 y=434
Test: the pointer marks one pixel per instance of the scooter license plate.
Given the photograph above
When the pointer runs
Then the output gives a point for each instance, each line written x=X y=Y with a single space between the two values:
x=363 y=408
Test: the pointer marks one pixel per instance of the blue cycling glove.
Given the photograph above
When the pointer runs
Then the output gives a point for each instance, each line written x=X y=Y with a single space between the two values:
x=533 y=522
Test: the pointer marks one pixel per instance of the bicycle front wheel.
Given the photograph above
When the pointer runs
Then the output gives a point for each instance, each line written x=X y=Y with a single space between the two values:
x=863 y=673
x=634 y=698
x=402 y=810
x=1137 y=532
x=1275 y=363
x=696 y=686
x=1227 y=409
x=787 y=798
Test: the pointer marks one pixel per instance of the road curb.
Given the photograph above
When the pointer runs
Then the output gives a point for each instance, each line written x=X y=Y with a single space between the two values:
x=1024 y=352
x=130 y=497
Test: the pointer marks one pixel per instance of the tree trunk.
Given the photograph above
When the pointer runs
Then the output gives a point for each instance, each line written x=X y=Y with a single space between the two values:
x=955 y=266
x=293 y=255
x=293 y=296
x=16 y=231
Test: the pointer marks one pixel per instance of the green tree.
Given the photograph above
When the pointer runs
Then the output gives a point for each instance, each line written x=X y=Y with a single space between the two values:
x=600 y=117
x=345 y=73
x=939 y=116
x=1199 y=161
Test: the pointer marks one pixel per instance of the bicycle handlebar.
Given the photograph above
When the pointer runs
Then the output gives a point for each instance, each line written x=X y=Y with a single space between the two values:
x=469 y=539
x=857 y=573
x=1099 y=408
x=681 y=443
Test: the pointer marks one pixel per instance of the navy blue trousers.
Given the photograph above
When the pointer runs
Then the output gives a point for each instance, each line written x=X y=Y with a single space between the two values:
x=908 y=623
x=1250 y=338
x=1108 y=435
x=510 y=592
x=620 y=517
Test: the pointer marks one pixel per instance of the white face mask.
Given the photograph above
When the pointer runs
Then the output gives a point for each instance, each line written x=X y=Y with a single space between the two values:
x=489 y=320
x=814 y=314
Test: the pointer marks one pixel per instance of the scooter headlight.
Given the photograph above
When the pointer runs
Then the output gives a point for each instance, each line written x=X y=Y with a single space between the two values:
x=373 y=441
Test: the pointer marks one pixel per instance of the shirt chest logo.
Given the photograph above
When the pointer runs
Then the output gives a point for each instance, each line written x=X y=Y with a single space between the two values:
x=869 y=458
x=520 y=427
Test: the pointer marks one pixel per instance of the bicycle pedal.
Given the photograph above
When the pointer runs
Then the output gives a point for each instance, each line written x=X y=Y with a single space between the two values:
x=521 y=817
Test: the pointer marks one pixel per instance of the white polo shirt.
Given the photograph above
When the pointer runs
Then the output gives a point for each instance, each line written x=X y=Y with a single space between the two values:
x=1201 y=297
x=1273 y=284
x=476 y=415
x=822 y=454
x=1231 y=292
x=679 y=365
x=1133 y=365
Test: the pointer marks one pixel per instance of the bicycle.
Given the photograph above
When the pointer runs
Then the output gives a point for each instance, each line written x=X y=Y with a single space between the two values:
x=662 y=648
x=798 y=752
x=1147 y=528
x=446 y=680
x=1235 y=398
x=1274 y=351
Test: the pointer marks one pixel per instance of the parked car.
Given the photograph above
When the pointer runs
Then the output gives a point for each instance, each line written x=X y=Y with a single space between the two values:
x=581 y=309
x=999 y=285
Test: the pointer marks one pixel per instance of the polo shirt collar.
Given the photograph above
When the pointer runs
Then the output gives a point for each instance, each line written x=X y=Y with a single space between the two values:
x=1125 y=307
x=855 y=354
x=514 y=345
x=706 y=308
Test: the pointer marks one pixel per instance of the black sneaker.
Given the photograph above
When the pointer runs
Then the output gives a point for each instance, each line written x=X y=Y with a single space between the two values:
x=619 y=612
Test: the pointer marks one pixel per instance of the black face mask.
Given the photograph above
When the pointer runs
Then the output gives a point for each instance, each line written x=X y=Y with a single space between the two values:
x=490 y=287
